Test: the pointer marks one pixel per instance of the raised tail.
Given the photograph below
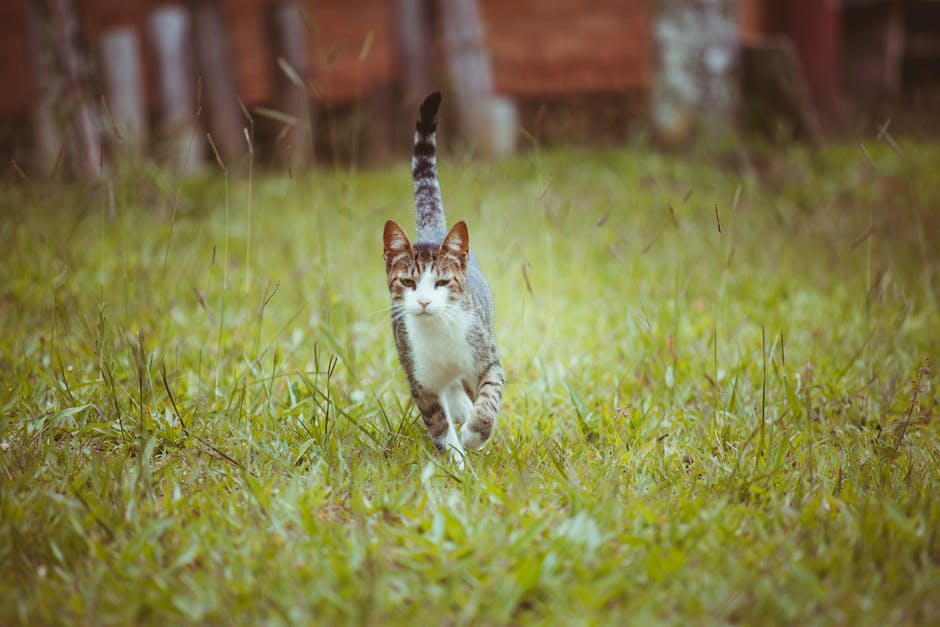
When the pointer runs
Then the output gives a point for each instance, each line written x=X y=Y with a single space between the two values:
x=429 y=209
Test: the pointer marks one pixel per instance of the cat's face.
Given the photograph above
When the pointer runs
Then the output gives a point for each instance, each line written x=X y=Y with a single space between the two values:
x=426 y=280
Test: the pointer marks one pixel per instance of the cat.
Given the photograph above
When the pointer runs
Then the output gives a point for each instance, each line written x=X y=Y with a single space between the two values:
x=442 y=312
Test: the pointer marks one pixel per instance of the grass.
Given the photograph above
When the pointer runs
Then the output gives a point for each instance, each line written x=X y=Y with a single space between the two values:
x=203 y=421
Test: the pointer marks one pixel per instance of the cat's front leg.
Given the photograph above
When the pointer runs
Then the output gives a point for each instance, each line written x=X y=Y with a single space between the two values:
x=439 y=426
x=479 y=427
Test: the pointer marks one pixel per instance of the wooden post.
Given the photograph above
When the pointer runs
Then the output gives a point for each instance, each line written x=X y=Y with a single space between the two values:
x=292 y=71
x=182 y=139
x=488 y=123
x=220 y=94
x=119 y=51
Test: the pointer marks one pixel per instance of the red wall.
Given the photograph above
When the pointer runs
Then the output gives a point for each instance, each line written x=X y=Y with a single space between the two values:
x=554 y=47
x=538 y=47
x=15 y=82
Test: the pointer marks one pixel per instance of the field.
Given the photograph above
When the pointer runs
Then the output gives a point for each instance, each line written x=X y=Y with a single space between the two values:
x=720 y=406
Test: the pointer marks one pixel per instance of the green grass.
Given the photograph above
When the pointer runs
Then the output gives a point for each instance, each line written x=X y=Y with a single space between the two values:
x=699 y=426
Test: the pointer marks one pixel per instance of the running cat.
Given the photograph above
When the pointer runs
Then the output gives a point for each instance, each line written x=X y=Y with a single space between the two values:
x=442 y=312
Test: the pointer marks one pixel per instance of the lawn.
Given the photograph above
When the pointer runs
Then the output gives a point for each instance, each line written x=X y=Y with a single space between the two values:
x=719 y=406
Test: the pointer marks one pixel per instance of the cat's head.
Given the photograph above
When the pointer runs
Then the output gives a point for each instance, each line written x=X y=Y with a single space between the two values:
x=426 y=279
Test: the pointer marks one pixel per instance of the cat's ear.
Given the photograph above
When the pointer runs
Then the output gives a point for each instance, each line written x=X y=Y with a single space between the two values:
x=457 y=242
x=396 y=242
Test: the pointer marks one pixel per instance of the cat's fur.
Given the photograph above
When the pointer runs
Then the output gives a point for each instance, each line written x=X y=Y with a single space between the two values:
x=442 y=312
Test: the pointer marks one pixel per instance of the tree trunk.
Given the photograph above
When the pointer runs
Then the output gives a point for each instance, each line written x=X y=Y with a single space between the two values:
x=45 y=119
x=182 y=141
x=415 y=55
x=218 y=80
x=119 y=51
x=488 y=123
x=84 y=114
x=64 y=100
x=292 y=71
x=414 y=51
x=468 y=66
x=694 y=62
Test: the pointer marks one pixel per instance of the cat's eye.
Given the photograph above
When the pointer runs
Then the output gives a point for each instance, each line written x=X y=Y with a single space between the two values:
x=409 y=283
x=442 y=283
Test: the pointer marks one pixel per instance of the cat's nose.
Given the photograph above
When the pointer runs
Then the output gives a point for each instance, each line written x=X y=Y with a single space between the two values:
x=424 y=302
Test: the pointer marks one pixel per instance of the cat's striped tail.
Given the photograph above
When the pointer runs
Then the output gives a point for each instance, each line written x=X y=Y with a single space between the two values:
x=429 y=210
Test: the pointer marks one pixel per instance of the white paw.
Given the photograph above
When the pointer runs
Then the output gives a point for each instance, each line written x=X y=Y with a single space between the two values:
x=470 y=439
x=457 y=456
x=451 y=445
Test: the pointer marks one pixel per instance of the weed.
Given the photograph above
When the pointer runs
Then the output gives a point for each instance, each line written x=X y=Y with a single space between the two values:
x=663 y=456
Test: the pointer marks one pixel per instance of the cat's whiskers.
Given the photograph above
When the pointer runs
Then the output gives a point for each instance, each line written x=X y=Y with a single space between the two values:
x=385 y=309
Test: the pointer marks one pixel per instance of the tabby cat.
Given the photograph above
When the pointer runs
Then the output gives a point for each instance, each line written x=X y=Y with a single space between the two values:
x=442 y=312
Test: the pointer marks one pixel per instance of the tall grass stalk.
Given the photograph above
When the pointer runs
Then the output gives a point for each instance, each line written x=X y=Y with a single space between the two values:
x=222 y=292
x=177 y=192
x=249 y=133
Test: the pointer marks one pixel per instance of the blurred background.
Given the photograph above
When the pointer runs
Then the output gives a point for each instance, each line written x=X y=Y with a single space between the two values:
x=86 y=84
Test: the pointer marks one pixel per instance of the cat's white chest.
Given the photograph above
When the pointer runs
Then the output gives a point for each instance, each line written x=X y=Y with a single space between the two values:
x=439 y=350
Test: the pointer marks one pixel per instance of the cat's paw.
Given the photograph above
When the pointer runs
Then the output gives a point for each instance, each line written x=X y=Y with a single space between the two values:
x=470 y=439
x=457 y=456
x=452 y=447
